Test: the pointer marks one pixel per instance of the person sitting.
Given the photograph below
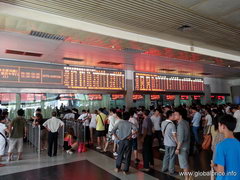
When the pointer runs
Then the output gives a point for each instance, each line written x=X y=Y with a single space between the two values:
x=74 y=146
x=68 y=139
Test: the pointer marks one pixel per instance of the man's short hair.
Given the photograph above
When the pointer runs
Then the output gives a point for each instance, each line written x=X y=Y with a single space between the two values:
x=100 y=109
x=119 y=114
x=113 y=110
x=181 y=112
x=84 y=111
x=146 y=112
x=54 y=114
x=126 y=116
x=169 y=113
x=39 y=109
x=20 y=112
x=229 y=121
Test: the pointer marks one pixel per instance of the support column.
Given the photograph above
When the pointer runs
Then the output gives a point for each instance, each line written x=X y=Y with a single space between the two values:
x=207 y=95
x=177 y=101
x=129 y=88
x=147 y=101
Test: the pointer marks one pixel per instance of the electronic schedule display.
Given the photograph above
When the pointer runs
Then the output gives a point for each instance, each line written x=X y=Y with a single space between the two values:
x=159 y=82
x=32 y=75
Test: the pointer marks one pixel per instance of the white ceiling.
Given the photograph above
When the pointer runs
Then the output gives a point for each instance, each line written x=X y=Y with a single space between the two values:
x=225 y=11
x=214 y=22
x=53 y=52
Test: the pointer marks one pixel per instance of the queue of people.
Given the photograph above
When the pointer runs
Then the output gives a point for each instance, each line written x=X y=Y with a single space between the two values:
x=179 y=132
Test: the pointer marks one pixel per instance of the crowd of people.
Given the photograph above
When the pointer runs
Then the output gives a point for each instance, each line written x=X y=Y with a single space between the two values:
x=179 y=132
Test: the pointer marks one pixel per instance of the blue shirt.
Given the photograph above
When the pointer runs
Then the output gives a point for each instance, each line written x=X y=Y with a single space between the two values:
x=196 y=119
x=228 y=156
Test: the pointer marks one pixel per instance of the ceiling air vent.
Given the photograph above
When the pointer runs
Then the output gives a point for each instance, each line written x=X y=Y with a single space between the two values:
x=109 y=63
x=47 y=35
x=169 y=70
x=72 y=59
x=23 y=53
x=205 y=74
x=184 y=28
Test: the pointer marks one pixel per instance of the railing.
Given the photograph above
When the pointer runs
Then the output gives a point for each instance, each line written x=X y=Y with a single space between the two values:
x=33 y=136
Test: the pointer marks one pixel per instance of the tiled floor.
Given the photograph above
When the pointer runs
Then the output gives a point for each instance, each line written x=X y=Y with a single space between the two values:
x=103 y=161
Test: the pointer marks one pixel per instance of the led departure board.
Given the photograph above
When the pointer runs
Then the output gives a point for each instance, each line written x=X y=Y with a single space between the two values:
x=82 y=78
x=95 y=97
x=157 y=82
x=155 y=97
x=184 y=97
x=36 y=75
x=170 y=97
x=138 y=97
x=220 y=97
x=7 y=97
x=117 y=96
x=197 y=97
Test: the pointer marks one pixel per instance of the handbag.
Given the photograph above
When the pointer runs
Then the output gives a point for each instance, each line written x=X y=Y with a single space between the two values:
x=207 y=140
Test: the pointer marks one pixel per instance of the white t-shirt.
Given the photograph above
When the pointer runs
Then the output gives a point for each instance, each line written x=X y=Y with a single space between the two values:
x=156 y=120
x=83 y=117
x=208 y=119
x=237 y=116
x=112 y=121
x=134 y=121
x=93 y=122
x=69 y=116
x=2 y=130
x=53 y=124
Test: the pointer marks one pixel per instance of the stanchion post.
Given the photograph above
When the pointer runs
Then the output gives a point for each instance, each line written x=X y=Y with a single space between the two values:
x=39 y=140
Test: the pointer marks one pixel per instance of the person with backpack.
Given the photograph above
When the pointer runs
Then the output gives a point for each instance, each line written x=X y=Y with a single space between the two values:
x=170 y=142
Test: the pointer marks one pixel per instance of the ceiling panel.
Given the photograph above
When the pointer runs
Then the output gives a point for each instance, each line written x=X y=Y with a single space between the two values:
x=217 y=8
x=149 y=17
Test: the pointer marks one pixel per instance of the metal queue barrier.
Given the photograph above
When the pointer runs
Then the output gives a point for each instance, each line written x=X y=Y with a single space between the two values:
x=33 y=136
x=77 y=128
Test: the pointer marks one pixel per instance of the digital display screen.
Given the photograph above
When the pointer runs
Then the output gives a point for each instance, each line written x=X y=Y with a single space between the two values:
x=184 y=97
x=196 y=97
x=138 y=97
x=33 y=75
x=220 y=97
x=170 y=97
x=117 y=96
x=157 y=82
x=94 y=97
x=155 y=97
x=7 y=97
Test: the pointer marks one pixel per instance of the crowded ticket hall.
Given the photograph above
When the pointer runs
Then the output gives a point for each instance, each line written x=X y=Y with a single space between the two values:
x=120 y=90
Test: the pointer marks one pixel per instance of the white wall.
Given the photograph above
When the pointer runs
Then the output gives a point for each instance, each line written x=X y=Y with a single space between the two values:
x=218 y=85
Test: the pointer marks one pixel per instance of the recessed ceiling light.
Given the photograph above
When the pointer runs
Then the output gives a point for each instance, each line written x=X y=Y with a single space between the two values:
x=205 y=74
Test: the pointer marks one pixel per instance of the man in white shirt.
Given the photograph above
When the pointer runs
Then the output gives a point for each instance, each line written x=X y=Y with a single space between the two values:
x=52 y=125
x=236 y=114
x=84 y=118
x=156 y=120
